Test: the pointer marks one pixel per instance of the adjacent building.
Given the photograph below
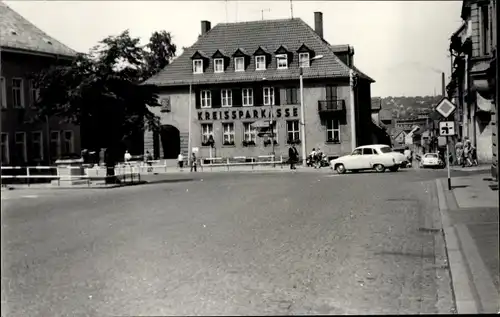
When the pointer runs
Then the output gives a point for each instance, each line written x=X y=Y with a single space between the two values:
x=24 y=51
x=472 y=86
x=237 y=90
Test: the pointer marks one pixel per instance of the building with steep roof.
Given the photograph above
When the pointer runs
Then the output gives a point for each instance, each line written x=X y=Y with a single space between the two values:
x=25 y=50
x=242 y=83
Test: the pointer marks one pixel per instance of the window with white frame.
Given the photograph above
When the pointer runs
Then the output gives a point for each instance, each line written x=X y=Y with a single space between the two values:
x=249 y=132
x=17 y=93
x=333 y=131
x=226 y=97
x=292 y=131
x=247 y=97
x=55 y=144
x=20 y=141
x=268 y=96
x=198 y=66
x=239 y=64
x=206 y=99
x=68 y=142
x=304 y=59
x=260 y=62
x=228 y=133
x=219 y=65
x=207 y=130
x=3 y=92
x=37 y=144
x=5 y=149
x=34 y=93
x=282 y=61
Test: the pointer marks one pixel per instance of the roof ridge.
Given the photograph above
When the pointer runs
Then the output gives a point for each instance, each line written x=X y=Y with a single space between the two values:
x=257 y=21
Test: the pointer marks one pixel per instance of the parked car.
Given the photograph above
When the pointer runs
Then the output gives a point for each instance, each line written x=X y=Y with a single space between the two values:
x=377 y=156
x=401 y=159
x=431 y=160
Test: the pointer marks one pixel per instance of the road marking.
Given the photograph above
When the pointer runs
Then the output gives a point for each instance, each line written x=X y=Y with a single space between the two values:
x=30 y=196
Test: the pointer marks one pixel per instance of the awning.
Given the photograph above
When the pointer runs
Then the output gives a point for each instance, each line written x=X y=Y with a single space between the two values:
x=261 y=124
x=483 y=104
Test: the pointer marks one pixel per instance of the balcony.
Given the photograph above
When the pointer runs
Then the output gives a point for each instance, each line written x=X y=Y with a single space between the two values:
x=331 y=106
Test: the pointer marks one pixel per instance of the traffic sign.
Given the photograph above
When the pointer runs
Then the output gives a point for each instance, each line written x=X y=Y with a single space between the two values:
x=446 y=128
x=445 y=107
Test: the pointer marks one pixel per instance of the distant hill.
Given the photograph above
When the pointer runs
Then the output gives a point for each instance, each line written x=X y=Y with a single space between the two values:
x=409 y=107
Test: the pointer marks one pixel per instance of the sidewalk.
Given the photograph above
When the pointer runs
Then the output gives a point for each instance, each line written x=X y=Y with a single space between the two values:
x=480 y=167
x=469 y=215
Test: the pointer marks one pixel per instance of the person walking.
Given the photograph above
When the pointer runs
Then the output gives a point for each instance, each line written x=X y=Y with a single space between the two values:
x=127 y=157
x=149 y=162
x=293 y=155
x=180 y=161
x=193 y=162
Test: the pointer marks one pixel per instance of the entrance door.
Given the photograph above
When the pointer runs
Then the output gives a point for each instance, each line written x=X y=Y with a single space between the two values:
x=170 y=141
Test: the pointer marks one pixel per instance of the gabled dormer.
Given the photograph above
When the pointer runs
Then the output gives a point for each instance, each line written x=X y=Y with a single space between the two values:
x=241 y=60
x=262 y=58
x=283 y=57
x=305 y=55
x=221 y=61
x=200 y=62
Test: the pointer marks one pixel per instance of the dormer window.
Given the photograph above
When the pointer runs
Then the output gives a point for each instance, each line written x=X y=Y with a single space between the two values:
x=260 y=62
x=219 y=65
x=304 y=59
x=239 y=64
x=198 y=66
x=282 y=61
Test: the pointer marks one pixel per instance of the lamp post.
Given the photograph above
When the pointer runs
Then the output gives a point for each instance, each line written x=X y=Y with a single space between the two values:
x=189 y=123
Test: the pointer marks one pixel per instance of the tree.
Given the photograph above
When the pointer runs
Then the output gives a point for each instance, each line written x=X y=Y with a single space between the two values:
x=102 y=91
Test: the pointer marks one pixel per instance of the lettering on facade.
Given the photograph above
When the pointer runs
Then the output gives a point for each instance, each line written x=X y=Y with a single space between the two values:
x=247 y=114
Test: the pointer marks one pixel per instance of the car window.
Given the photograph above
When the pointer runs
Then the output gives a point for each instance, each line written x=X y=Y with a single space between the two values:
x=367 y=151
x=385 y=149
x=356 y=152
x=433 y=155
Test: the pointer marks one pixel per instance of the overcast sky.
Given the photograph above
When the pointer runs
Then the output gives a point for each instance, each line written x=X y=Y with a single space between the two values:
x=402 y=45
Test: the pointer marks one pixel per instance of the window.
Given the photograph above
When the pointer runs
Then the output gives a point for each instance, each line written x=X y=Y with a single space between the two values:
x=207 y=131
x=226 y=97
x=3 y=92
x=34 y=93
x=68 y=146
x=268 y=96
x=304 y=59
x=55 y=144
x=260 y=62
x=249 y=132
x=17 y=93
x=219 y=65
x=228 y=133
x=198 y=66
x=5 y=148
x=239 y=64
x=37 y=143
x=282 y=61
x=367 y=151
x=333 y=131
x=206 y=99
x=292 y=130
x=20 y=140
x=291 y=96
x=485 y=25
x=247 y=97
x=356 y=152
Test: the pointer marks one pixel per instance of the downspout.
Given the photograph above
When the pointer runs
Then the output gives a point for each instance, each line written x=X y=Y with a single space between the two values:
x=352 y=110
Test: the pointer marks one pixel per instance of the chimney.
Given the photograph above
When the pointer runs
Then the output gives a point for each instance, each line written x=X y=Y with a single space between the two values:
x=443 y=85
x=205 y=27
x=318 y=23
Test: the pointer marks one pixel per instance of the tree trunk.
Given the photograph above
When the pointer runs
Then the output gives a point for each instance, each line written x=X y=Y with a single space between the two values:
x=110 y=159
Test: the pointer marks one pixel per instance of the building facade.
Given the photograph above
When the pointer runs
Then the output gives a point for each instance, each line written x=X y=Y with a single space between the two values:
x=237 y=89
x=472 y=86
x=24 y=51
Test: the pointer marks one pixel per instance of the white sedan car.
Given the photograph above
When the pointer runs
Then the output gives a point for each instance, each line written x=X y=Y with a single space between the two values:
x=367 y=157
x=431 y=160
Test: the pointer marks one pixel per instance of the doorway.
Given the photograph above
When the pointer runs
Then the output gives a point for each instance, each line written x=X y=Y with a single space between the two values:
x=169 y=137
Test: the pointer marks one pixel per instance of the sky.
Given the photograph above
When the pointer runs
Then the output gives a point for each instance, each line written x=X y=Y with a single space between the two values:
x=403 y=45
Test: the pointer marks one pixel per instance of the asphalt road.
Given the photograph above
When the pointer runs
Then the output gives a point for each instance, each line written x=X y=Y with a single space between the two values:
x=224 y=244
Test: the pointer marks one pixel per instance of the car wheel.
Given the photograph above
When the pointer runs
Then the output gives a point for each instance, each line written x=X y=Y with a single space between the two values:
x=379 y=168
x=340 y=168
x=394 y=168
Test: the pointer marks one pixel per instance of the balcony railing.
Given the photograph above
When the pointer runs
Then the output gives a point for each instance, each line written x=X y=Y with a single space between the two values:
x=331 y=106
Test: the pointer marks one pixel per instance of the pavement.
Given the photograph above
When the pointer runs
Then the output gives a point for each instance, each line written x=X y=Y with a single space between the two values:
x=228 y=244
x=471 y=227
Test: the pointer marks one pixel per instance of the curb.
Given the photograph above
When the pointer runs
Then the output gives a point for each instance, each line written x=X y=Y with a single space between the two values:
x=472 y=284
x=74 y=187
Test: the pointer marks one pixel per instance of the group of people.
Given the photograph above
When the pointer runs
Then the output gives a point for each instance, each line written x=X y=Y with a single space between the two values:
x=466 y=153
x=193 y=162
x=316 y=158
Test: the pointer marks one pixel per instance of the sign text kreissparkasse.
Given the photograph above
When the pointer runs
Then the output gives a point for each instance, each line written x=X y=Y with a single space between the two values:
x=241 y=114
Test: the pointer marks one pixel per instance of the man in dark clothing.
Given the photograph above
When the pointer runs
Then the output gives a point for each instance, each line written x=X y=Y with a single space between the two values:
x=293 y=155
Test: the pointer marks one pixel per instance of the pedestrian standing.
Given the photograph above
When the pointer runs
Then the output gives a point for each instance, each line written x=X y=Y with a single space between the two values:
x=292 y=156
x=193 y=162
x=127 y=157
x=149 y=162
x=180 y=160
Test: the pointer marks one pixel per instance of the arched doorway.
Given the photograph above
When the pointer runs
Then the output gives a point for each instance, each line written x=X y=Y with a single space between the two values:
x=169 y=137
